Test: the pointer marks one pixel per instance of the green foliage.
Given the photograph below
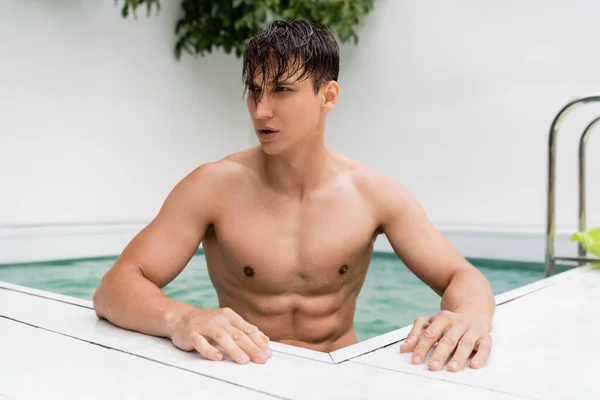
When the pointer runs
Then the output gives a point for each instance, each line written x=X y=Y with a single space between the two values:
x=589 y=239
x=228 y=24
x=132 y=5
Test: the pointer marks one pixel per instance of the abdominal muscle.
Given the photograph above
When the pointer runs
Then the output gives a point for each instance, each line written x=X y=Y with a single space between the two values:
x=322 y=322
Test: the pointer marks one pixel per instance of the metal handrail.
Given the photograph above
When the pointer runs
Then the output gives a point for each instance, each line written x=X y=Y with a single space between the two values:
x=550 y=223
x=582 y=220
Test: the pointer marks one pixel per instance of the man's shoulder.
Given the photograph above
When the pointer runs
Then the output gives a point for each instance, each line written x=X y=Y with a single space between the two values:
x=225 y=171
x=379 y=188
x=368 y=179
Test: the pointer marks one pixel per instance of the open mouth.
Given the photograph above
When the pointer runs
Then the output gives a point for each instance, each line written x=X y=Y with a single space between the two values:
x=267 y=131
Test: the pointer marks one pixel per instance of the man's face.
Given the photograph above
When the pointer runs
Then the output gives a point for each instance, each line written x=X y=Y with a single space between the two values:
x=288 y=113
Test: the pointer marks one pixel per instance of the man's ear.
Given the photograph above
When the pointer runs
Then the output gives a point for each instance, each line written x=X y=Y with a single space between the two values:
x=331 y=94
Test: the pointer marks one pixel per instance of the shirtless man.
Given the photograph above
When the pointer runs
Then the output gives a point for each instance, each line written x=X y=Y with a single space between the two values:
x=288 y=229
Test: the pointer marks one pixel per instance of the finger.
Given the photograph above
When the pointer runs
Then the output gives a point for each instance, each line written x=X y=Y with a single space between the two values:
x=252 y=332
x=484 y=348
x=465 y=347
x=428 y=337
x=446 y=345
x=257 y=337
x=225 y=340
x=266 y=341
x=413 y=336
x=244 y=341
x=203 y=347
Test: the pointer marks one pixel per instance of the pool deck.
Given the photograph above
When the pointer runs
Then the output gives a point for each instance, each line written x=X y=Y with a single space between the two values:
x=545 y=335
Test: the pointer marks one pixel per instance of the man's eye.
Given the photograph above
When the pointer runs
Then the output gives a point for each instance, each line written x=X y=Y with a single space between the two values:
x=282 y=89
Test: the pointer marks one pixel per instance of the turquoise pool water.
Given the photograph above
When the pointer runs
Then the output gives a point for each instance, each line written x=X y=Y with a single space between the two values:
x=392 y=297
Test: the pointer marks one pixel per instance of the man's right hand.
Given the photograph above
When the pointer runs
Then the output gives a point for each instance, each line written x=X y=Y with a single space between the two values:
x=201 y=329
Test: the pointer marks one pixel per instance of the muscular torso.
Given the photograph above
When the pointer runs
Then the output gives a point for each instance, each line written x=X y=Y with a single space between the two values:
x=293 y=266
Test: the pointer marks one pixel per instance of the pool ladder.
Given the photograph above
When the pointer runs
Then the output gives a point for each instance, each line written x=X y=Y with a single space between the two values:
x=550 y=226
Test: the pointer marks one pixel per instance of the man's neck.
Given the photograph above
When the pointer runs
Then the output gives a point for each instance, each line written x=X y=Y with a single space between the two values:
x=298 y=171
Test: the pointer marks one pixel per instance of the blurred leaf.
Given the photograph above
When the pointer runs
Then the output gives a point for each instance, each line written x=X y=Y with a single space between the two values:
x=589 y=239
x=132 y=5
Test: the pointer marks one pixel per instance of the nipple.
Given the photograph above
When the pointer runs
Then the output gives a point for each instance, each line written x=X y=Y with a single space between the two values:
x=343 y=269
x=249 y=271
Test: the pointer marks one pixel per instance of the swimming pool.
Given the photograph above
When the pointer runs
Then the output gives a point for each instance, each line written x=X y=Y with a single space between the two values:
x=392 y=297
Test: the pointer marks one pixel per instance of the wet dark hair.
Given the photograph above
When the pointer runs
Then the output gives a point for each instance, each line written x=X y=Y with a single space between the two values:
x=285 y=48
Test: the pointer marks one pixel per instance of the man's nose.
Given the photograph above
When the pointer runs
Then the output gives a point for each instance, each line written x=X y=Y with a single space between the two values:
x=264 y=108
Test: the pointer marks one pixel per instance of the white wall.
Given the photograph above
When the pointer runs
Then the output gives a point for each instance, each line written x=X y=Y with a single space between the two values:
x=453 y=98
x=99 y=121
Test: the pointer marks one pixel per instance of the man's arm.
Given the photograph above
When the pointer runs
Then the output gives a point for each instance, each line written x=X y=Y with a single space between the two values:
x=467 y=302
x=130 y=294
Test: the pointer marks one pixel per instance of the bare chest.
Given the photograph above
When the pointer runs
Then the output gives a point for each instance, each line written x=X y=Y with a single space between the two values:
x=281 y=247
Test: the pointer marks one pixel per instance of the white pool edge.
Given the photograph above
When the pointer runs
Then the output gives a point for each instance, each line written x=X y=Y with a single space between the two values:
x=346 y=353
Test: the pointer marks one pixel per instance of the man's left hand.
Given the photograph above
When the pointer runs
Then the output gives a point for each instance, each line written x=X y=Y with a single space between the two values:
x=461 y=333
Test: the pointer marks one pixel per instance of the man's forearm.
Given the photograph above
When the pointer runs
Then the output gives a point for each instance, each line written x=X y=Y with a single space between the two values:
x=128 y=300
x=469 y=292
